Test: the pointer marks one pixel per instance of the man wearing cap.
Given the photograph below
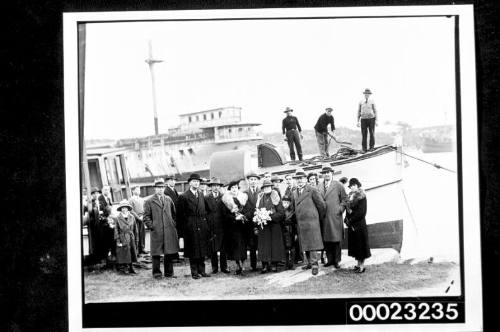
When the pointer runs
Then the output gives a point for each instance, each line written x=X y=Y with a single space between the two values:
x=321 y=129
x=367 y=119
x=171 y=192
x=309 y=208
x=216 y=227
x=137 y=203
x=292 y=133
x=249 y=209
x=332 y=226
x=159 y=216
x=276 y=181
x=192 y=218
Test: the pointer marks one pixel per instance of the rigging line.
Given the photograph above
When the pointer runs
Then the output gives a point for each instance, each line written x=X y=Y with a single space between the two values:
x=409 y=210
x=427 y=162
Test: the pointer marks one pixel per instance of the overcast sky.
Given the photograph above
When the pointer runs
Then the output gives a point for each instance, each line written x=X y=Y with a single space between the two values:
x=263 y=66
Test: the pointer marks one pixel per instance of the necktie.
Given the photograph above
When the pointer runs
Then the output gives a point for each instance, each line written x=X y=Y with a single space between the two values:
x=196 y=194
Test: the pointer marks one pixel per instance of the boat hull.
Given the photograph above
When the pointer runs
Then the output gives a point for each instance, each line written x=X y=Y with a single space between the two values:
x=388 y=234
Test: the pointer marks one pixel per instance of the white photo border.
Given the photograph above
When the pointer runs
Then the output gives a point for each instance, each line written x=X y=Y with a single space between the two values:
x=470 y=232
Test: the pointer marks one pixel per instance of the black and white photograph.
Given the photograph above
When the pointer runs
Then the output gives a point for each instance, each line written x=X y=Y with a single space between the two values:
x=284 y=155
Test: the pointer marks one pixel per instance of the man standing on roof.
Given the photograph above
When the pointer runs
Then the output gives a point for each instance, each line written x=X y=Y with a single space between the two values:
x=292 y=133
x=321 y=129
x=367 y=119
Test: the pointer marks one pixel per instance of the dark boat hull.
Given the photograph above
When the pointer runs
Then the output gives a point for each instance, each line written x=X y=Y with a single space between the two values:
x=388 y=234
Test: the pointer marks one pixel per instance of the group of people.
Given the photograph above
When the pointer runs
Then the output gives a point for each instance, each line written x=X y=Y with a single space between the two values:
x=273 y=224
x=366 y=119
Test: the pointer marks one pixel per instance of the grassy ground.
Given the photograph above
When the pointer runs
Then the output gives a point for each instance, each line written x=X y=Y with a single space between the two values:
x=387 y=279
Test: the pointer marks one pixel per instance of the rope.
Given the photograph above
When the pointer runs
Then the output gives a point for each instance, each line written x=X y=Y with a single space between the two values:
x=427 y=162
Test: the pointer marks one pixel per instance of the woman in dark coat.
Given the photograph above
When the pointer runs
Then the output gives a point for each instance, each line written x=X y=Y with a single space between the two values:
x=270 y=245
x=357 y=232
x=234 y=201
x=126 y=238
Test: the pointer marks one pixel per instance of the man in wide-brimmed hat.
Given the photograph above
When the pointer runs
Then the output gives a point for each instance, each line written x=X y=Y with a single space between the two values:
x=249 y=209
x=292 y=133
x=367 y=119
x=332 y=226
x=321 y=130
x=192 y=218
x=309 y=209
x=159 y=214
x=216 y=226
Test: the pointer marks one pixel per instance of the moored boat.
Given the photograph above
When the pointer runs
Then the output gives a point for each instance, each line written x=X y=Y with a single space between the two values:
x=380 y=171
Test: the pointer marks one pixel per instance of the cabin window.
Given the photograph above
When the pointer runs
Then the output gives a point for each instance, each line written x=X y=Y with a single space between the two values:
x=197 y=118
x=230 y=131
x=220 y=114
x=190 y=120
x=204 y=116
x=213 y=116
x=240 y=129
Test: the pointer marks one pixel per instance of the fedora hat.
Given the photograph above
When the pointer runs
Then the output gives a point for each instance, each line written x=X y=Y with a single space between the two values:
x=194 y=176
x=326 y=169
x=276 y=178
x=169 y=177
x=367 y=91
x=123 y=204
x=266 y=183
x=329 y=109
x=253 y=175
x=159 y=182
x=300 y=174
x=288 y=109
x=95 y=189
x=215 y=181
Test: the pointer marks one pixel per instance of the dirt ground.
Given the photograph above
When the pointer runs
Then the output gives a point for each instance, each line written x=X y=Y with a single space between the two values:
x=386 y=279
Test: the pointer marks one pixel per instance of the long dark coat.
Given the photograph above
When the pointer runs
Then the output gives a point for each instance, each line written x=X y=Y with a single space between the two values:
x=160 y=220
x=248 y=211
x=172 y=193
x=93 y=228
x=126 y=233
x=309 y=210
x=357 y=233
x=335 y=199
x=237 y=232
x=270 y=242
x=216 y=224
x=192 y=219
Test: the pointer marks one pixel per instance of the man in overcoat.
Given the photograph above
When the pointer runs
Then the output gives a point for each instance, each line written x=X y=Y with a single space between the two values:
x=171 y=192
x=309 y=209
x=249 y=210
x=216 y=227
x=159 y=216
x=137 y=203
x=192 y=218
x=335 y=198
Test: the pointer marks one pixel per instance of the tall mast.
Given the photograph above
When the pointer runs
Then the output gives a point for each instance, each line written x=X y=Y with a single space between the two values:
x=151 y=61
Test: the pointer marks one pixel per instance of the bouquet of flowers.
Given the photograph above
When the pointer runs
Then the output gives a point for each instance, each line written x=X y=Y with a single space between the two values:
x=261 y=217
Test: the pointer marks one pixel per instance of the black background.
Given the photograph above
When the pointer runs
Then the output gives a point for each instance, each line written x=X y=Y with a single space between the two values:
x=33 y=282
